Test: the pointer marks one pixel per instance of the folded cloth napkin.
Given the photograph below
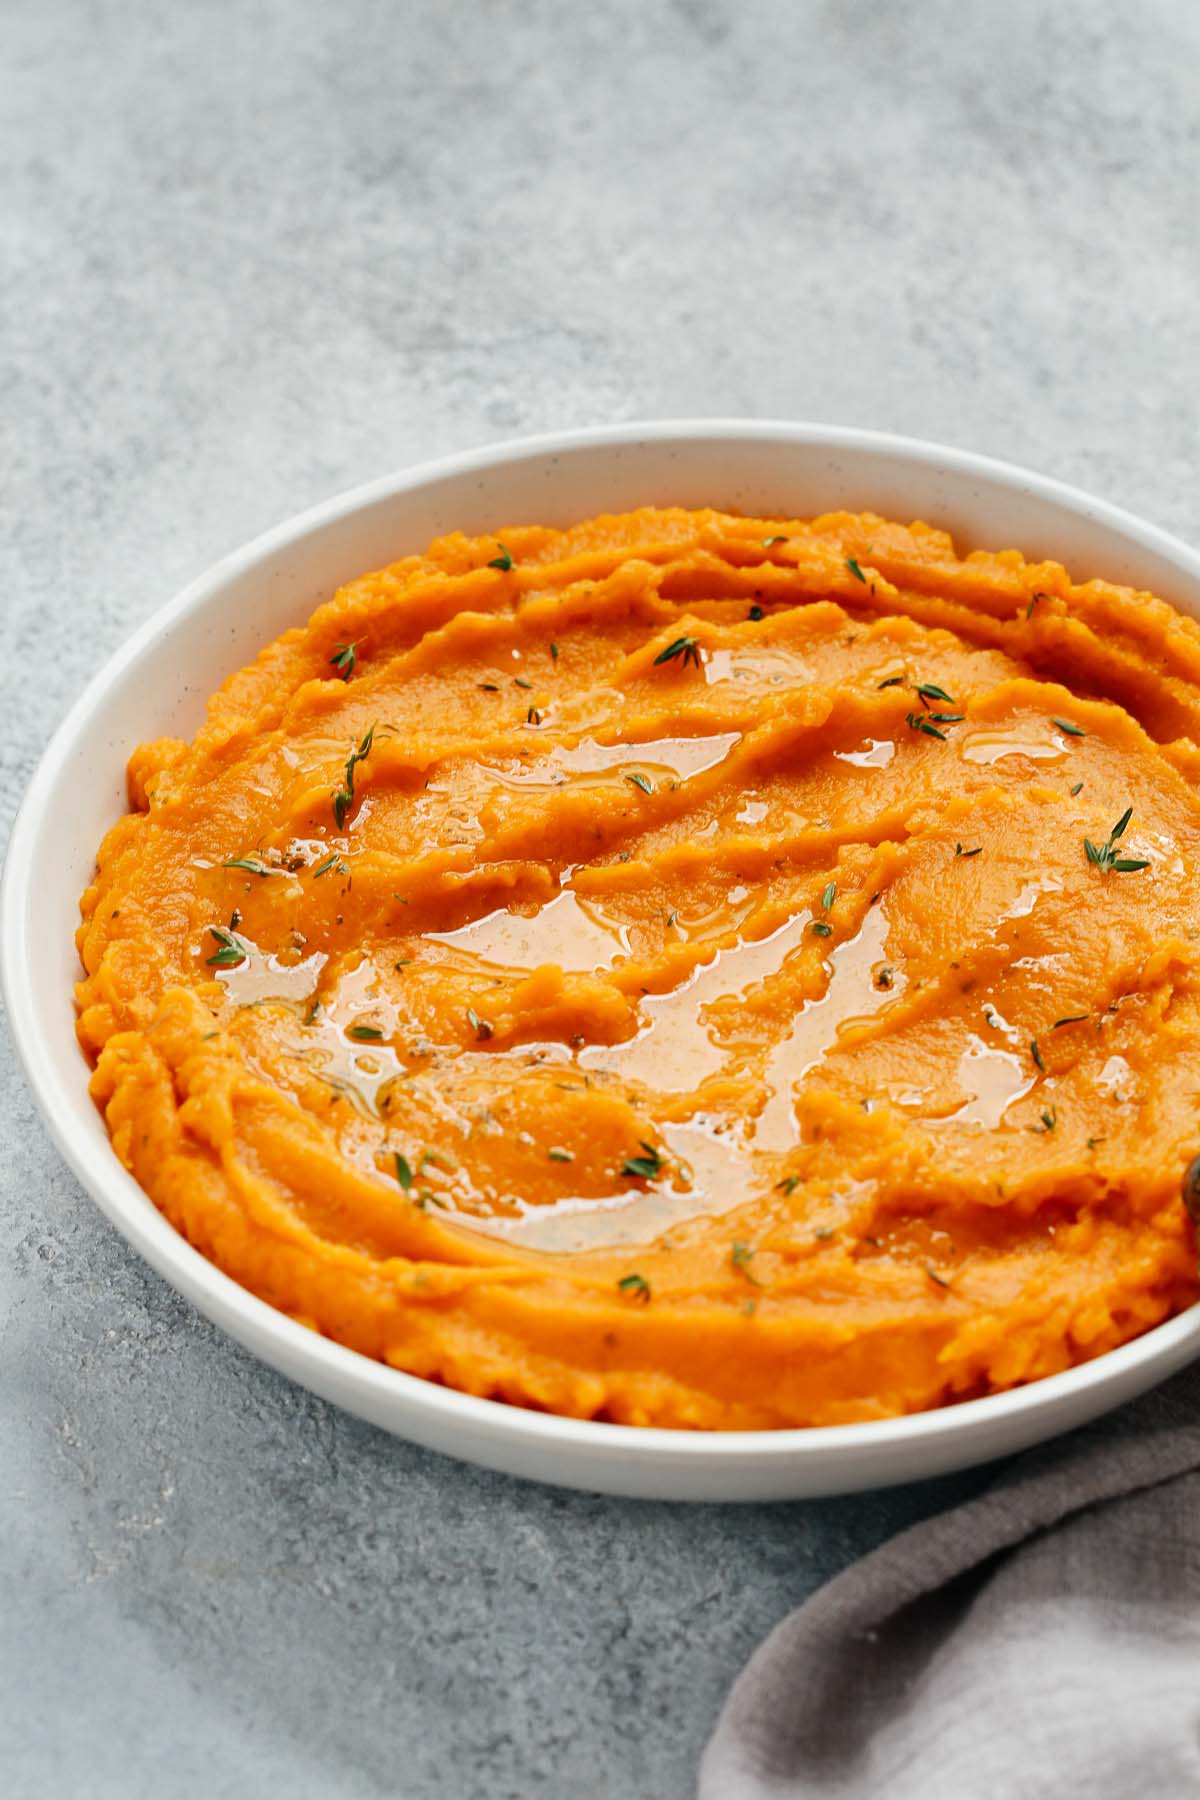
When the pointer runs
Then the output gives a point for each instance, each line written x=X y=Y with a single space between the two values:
x=1043 y=1639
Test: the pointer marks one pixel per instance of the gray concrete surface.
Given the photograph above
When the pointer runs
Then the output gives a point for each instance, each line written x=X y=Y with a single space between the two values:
x=255 y=253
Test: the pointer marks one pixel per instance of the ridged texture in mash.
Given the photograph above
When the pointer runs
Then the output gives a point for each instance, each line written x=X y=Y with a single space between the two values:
x=695 y=1004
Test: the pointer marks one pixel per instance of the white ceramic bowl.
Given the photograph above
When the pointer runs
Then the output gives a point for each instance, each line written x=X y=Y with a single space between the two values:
x=158 y=685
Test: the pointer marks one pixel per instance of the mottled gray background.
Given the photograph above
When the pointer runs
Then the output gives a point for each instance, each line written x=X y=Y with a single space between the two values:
x=253 y=254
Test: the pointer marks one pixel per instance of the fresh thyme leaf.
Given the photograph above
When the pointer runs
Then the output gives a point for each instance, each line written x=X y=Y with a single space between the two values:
x=641 y=1168
x=343 y=798
x=1104 y=855
x=928 y=691
x=533 y=716
x=934 y=1276
x=404 y=1174
x=366 y=1034
x=756 y=613
x=946 y=718
x=777 y=539
x=821 y=928
x=488 y=687
x=959 y=851
x=248 y=863
x=823 y=1233
x=636 y=1286
x=343 y=658
x=331 y=862
x=1033 y=602
x=639 y=781
x=647 y=1167
x=741 y=1255
x=893 y=681
x=828 y=896
x=557 y=1155
x=1071 y=1019
x=1049 y=1119
x=788 y=1185
x=554 y=652
x=1036 y=1054
x=919 y=722
x=1077 y=789
x=480 y=1026
x=854 y=569
x=686 y=647
x=1066 y=725
x=503 y=561
x=520 y=681
x=232 y=951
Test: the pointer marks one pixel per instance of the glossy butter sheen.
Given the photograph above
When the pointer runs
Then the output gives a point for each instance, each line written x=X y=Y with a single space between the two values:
x=727 y=1038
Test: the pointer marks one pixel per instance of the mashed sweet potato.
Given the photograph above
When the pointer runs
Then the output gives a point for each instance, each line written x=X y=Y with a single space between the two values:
x=687 y=969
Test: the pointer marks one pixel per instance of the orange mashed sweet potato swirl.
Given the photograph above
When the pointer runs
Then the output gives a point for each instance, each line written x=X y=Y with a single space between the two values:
x=686 y=970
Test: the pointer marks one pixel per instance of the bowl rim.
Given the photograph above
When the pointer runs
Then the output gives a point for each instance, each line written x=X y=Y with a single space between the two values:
x=321 y=1361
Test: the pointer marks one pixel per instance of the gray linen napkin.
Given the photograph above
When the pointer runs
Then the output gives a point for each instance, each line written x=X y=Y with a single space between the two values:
x=1043 y=1639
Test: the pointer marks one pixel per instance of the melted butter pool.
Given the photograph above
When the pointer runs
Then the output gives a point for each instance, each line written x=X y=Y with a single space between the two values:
x=850 y=996
x=576 y=934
